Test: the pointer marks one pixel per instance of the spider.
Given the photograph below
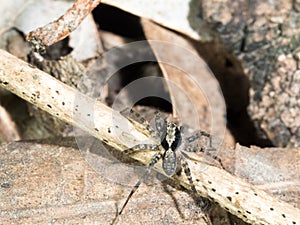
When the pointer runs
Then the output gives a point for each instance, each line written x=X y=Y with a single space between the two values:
x=168 y=136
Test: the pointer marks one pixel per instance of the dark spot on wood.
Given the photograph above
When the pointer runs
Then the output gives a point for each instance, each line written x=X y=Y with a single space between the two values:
x=294 y=222
x=271 y=209
x=57 y=92
x=88 y=114
x=21 y=80
x=49 y=106
x=63 y=103
x=237 y=193
x=283 y=215
x=245 y=216
x=117 y=126
x=108 y=130
x=229 y=198
x=5 y=83
x=5 y=185
x=105 y=141
x=255 y=194
x=57 y=114
x=239 y=211
x=197 y=180
x=214 y=190
x=204 y=187
x=248 y=212
x=226 y=208
x=209 y=182
x=96 y=129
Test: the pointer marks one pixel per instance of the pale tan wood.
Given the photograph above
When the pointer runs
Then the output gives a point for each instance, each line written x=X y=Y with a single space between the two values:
x=232 y=193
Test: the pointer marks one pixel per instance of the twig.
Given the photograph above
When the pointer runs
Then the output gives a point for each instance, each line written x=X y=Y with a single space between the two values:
x=62 y=27
x=232 y=193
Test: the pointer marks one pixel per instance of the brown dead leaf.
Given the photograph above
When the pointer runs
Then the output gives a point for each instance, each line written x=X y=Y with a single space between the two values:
x=275 y=170
x=45 y=183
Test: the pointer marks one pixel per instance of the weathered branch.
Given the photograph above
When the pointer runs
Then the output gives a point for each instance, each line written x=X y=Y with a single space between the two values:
x=62 y=27
x=232 y=193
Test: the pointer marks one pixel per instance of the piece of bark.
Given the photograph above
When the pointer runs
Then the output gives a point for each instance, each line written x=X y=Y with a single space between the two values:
x=232 y=193
x=264 y=38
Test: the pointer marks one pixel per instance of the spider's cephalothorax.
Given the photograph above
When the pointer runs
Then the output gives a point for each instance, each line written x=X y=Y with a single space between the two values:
x=169 y=138
x=170 y=142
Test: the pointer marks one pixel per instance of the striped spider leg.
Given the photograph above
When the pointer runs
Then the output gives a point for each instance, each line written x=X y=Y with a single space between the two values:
x=207 y=149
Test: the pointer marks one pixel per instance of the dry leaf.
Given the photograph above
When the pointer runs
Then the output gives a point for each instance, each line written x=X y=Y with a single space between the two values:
x=44 y=183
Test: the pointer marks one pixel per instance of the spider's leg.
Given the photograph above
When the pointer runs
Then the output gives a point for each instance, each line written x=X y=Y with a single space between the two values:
x=159 y=123
x=197 y=136
x=154 y=160
x=187 y=173
x=202 y=202
x=141 y=147
x=140 y=119
x=207 y=151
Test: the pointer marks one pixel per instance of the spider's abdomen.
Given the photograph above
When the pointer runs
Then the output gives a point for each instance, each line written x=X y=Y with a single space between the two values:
x=170 y=143
x=169 y=162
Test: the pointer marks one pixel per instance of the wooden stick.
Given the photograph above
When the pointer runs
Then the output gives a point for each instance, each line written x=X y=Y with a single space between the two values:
x=62 y=27
x=232 y=193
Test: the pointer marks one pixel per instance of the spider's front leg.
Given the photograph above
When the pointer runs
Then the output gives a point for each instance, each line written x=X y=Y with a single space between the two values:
x=207 y=149
x=140 y=119
x=198 y=135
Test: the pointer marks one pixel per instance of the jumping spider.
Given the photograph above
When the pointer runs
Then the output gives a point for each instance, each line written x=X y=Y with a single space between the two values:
x=169 y=138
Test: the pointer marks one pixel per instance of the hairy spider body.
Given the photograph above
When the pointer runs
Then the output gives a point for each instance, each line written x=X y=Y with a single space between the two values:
x=170 y=142
x=168 y=136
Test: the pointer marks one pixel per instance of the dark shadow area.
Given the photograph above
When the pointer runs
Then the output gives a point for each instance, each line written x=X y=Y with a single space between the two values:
x=117 y=21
